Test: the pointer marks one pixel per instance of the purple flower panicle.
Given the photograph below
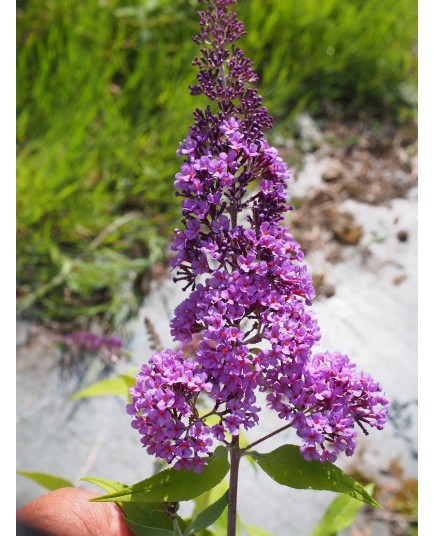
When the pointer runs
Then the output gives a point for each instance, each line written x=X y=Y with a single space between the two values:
x=248 y=286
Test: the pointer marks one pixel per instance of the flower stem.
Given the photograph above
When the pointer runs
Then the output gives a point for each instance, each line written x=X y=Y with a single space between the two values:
x=245 y=449
x=233 y=486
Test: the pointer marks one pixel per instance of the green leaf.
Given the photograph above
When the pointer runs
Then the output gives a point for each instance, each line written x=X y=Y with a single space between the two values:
x=176 y=530
x=341 y=514
x=208 y=516
x=46 y=480
x=287 y=466
x=141 y=516
x=255 y=531
x=171 y=485
x=106 y=485
x=142 y=530
x=147 y=515
x=110 y=386
x=220 y=527
x=207 y=498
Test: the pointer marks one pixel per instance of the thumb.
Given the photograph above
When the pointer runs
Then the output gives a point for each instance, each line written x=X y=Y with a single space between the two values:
x=68 y=512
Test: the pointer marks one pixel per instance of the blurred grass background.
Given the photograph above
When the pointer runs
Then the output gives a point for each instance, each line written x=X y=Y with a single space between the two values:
x=102 y=103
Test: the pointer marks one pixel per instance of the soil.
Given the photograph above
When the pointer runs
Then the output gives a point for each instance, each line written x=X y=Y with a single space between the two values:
x=366 y=163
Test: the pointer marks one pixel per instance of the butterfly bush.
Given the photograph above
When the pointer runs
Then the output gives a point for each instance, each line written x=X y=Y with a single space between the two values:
x=249 y=292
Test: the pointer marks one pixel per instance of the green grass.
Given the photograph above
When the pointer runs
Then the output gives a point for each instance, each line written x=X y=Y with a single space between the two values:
x=102 y=104
x=333 y=57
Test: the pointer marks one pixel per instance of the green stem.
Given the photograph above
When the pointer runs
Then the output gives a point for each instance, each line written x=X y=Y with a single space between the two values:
x=233 y=486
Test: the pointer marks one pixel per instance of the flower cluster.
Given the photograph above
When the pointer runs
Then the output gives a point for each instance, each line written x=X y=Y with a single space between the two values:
x=166 y=393
x=324 y=400
x=248 y=284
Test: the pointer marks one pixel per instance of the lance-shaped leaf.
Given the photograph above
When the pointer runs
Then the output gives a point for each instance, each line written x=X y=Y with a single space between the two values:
x=176 y=529
x=208 y=516
x=50 y=482
x=341 y=514
x=107 y=485
x=172 y=486
x=287 y=466
x=118 y=386
x=147 y=519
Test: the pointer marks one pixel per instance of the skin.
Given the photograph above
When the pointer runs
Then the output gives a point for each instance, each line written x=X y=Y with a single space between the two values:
x=68 y=512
